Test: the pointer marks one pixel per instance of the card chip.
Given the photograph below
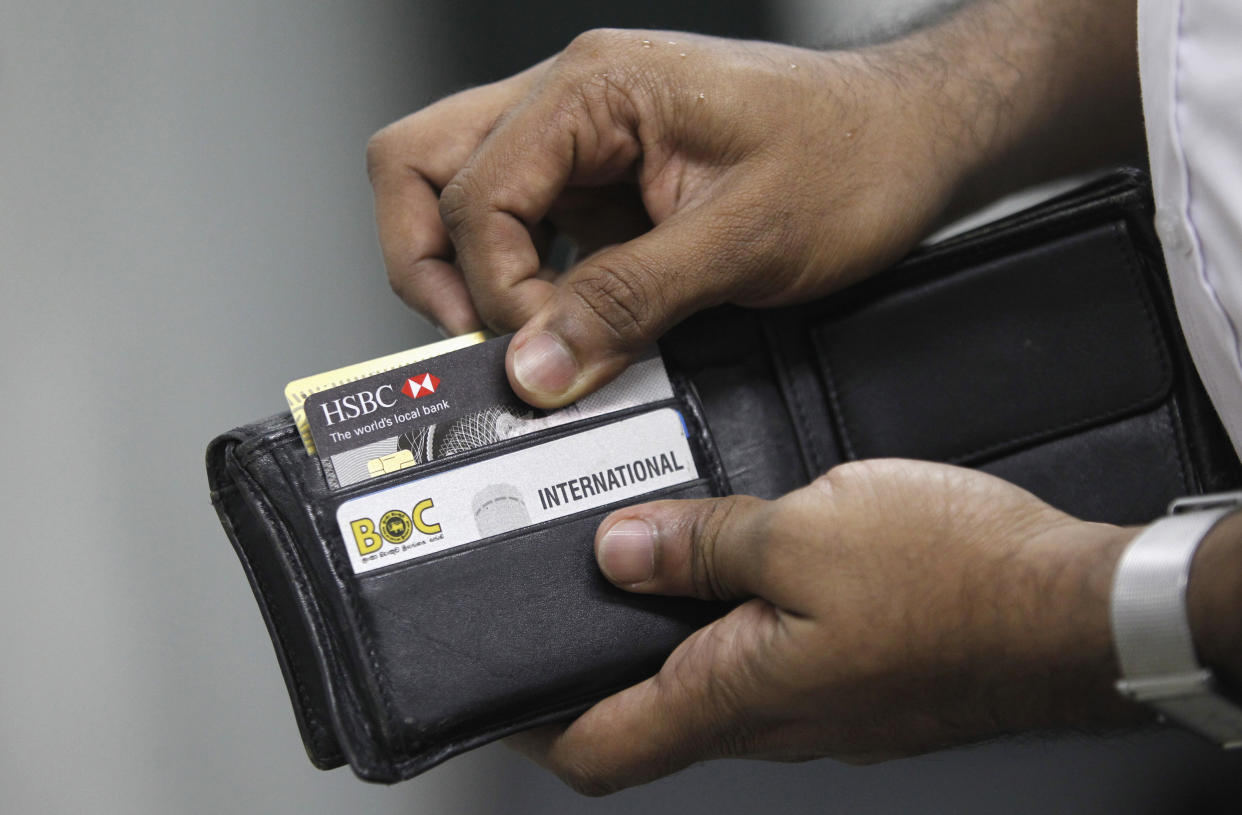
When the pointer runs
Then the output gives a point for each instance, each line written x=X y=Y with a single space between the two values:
x=390 y=463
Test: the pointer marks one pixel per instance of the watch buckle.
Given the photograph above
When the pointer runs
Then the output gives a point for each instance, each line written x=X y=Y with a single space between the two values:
x=1203 y=503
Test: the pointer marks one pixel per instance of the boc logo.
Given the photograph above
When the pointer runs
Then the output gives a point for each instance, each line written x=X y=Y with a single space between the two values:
x=395 y=526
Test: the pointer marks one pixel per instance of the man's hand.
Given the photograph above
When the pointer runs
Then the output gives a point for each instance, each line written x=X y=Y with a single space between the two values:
x=691 y=170
x=889 y=608
x=694 y=171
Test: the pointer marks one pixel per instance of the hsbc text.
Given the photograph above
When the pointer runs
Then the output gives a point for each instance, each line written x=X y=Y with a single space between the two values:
x=363 y=403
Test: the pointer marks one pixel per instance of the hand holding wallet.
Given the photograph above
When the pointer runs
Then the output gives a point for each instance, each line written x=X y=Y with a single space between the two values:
x=1043 y=349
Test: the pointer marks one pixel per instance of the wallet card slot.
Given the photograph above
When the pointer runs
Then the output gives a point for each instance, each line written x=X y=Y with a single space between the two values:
x=699 y=485
x=616 y=462
x=358 y=639
x=499 y=448
x=342 y=494
x=517 y=628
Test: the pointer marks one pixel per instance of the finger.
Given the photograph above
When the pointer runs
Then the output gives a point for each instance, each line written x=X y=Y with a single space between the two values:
x=491 y=215
x=606 y=310
x=408 y=162
x=712 y=548
x=418 y=254
x=416 y=248
x=511 y=181
x=704 y=703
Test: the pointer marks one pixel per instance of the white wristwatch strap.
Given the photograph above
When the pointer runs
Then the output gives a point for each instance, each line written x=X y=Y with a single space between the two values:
x=1151 y=631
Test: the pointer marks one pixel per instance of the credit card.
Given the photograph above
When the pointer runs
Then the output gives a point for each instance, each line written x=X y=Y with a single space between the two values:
x=587 y=470
x=297 y=391
x=443 y=406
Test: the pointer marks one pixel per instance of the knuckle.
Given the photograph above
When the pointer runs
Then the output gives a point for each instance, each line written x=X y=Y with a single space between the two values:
x=454 y=202
x=402 y=285
x=705 y=578
x=846 y=478
x=624 y=298
x=380 y=150
x=593 y=43
x=409 y=284
x=857 y=492
x=600 y=85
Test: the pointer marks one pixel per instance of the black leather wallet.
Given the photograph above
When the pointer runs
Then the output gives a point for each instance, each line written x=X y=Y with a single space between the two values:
x=1042 y=348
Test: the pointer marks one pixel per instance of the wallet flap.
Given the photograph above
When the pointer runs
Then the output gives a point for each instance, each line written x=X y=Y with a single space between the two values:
x=1079 y=345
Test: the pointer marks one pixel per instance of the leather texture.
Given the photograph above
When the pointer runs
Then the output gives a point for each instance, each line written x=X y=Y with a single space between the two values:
x=1042 y=348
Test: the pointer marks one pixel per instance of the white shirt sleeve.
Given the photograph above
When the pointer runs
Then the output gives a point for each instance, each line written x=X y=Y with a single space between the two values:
x=1190 y=64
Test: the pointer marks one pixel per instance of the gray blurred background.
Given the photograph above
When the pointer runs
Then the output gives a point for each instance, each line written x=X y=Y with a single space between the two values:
x=185 y=225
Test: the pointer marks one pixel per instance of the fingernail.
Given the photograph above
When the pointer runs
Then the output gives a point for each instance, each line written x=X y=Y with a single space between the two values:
x=544 y=365
x=627 y=552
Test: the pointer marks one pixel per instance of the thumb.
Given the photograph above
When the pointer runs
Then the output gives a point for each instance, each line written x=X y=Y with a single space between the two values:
x=706 y=702
x=713 y=549
x=607 y=309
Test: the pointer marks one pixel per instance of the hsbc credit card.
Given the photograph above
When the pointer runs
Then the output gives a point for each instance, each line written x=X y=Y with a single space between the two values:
x=442 y=406
x=297 y=391
x=601 y=465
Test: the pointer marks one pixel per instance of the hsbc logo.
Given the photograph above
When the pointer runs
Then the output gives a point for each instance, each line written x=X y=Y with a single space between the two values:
x=361 y=404
x=421 y=385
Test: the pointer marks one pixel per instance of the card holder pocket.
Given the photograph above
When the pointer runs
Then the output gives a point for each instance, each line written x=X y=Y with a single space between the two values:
x=492 y=450
x=396 y=669
x=462 y=645
x=474 y=643
x=309 y=472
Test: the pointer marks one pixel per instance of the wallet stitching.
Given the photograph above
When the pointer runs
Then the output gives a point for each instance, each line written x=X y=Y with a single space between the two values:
x=799 y=406
x=1153 y=337
x=1100 y=200
x=260 y=583
x=262 y=445
x=381 y=679
x=315 y=615
x=311 y=717
x=312 y=720
x=692 y=408
x=280 y=628
x=333 y=755
x=320 y=732
x=789 y=387
x=1188 y=472
x=834 y=400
